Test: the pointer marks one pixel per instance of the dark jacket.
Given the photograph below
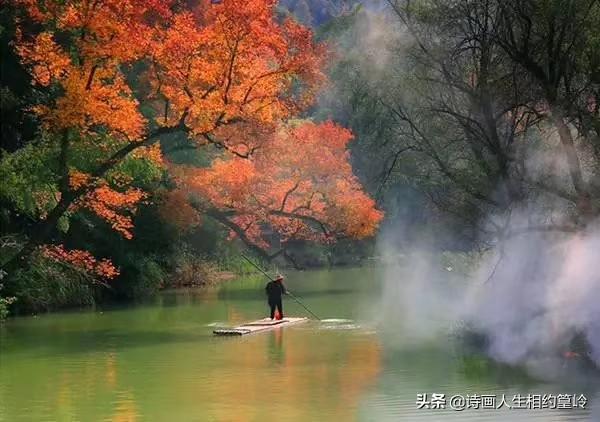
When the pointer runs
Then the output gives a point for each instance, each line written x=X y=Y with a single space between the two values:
x=275 y=290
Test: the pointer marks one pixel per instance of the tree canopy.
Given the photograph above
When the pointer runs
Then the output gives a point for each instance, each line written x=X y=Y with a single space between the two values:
x=114 y=78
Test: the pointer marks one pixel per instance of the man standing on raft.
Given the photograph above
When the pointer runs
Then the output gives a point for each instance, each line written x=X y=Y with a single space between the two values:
x=275 y=289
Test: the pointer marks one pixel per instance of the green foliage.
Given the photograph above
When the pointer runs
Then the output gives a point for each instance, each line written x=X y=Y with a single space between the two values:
x=191 y=270
x=5 y=301
x=9 y=245
x=145 y=173
x=141 y=276
x=234 y=262
x=30 y=175
x=178 y=150
x=310 y=255
x=46 y=285
x=86 y=153
x=29 y=181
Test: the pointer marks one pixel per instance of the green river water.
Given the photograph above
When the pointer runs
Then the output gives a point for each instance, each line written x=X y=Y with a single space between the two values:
x=158 y=361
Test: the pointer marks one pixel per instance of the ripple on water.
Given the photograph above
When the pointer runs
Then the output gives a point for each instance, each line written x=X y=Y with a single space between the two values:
x=162 y=363
x=383 y=408
x=336 y=320
x=338 y=324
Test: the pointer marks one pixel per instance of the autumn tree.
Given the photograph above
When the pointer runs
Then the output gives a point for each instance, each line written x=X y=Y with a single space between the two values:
x=299 y=184
x=120 y=75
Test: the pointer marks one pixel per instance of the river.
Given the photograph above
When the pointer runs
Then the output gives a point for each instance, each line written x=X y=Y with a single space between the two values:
x=158 y=361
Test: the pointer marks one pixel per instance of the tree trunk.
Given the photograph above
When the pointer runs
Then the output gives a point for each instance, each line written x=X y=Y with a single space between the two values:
x=44 y=229
x=41 y=234
x=584 y=203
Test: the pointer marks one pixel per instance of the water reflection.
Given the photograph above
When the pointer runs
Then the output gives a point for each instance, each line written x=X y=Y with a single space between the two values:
x=276 y=352
x=295 y=374
x=125 y=408
x=159 y=362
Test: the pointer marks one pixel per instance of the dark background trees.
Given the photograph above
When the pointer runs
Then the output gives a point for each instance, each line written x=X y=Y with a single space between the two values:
x=479 y=108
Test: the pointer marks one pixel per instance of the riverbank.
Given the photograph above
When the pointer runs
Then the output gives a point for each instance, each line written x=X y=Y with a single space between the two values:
x=47 y=286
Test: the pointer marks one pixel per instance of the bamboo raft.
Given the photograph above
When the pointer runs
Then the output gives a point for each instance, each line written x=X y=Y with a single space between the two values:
x=259 y=325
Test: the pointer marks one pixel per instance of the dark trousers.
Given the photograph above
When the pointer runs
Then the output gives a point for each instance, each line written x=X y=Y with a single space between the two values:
x=276 y=304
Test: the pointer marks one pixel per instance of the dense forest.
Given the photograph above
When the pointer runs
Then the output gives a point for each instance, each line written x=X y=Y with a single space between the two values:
x=145 y=143
x=141 y=137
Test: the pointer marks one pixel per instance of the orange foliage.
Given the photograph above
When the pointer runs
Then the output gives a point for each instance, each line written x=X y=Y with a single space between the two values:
x=108 y=204
x=230 y=74
x=81 y=259
x=300 y=184
x=223 y=64
x=235 y=69
x=176 y=209
x=46 y=58
x=105 y=36
x=151 y=153
x=78 y=179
